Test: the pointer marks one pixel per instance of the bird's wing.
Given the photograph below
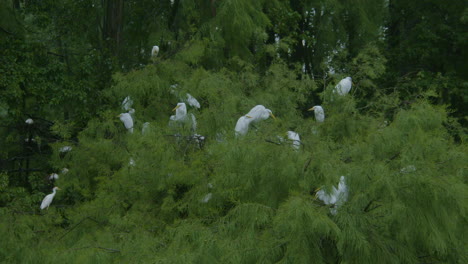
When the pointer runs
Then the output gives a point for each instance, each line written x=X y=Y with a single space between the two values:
x=127 y=103
x=192 y=101
x=128 y=122
x=325 y=197
x=47 y=200
x=194 y=122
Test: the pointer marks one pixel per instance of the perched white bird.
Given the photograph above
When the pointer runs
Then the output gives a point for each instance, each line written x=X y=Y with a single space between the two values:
x=294 y=137
x=188 y=98
x=207 y=198
x=145 y=128
x=319 y=113
x=29 y=121
x=259 y=113
x=242 y=126
x=48 y=199
x=131 y=162
x=192 y=101
x=182 y=117
x=127 y=120
x=65 y=149
x=127 y=103
x=53 y=176
x=344 y=86
x=154 y=51
x=337 y=196
x=65 y=171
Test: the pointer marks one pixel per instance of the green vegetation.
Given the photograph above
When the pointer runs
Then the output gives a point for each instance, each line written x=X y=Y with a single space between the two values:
x=399 y=137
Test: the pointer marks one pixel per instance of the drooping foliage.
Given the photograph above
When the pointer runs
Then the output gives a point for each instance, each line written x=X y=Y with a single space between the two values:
x=164 y=195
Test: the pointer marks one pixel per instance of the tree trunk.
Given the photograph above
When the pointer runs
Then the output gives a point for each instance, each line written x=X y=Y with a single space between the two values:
x=113 y=21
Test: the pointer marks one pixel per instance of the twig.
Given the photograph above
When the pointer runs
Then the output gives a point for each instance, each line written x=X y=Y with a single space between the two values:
x=109 y=250
x=273 y=142
x=306 y=165
x=6 y=31
x=79 y=223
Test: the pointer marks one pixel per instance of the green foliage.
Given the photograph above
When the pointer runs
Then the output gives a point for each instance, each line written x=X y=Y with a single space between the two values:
x=162 y=197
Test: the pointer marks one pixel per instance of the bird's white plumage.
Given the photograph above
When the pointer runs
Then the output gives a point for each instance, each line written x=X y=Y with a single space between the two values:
x=260 y=113
x=182 y=117
x=207 y=198
x=194 y=122
x=154 y=51
x=319 y=113
x=296 y=140
x=131 y=111
x=127 y=103
x=242 y=125
x=337 y=196
x=48 y=199
x=192 y=101
x=65 y=149
x=127 y=120
x=145 y=128
x=65 y=171
x=344 y=86
x=29 y=121
x=53 y=176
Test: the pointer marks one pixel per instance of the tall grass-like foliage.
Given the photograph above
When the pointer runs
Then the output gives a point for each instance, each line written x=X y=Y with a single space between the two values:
x=165 y=196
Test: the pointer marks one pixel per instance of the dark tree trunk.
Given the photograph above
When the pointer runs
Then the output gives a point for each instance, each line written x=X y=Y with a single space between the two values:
x=113 y=21
x=16 y=4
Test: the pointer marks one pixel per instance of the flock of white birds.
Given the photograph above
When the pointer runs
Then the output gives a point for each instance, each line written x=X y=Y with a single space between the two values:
x=334 y=199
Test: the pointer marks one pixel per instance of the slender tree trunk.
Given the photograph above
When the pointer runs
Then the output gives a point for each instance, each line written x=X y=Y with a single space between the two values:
x=113 y=21
x=213 y=8
x=16 y=4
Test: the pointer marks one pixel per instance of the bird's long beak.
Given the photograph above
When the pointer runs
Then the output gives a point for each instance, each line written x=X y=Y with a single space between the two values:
x=58 y=188
x=248 y=116
x=311 y=109
x=119 y=115
x=175 y=108
x=271 y=114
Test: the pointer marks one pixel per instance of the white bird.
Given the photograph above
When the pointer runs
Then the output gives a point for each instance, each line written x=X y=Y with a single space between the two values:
x=319 y=113
x=127 y=120
x=127 y=103
x=337 y=196
x=182 y=117
x=131 y=162
x=64 y=171
x=48 y=199
x=207 y=198
x=53 y=176
x=65 y=149
x=29 y=121
x=259 y=113
x=189 y=99
x=192 y=101
x=296 y=140
x=154 y=51
x=242 y=125
x=145 y=128
x=344 y=86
